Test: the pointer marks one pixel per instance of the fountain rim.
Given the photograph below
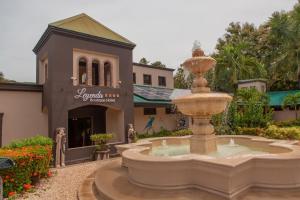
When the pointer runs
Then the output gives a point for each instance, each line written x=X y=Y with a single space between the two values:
x=204 y=96
x=134 y=152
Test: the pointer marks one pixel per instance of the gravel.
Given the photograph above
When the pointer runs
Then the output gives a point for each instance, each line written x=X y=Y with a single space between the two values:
x=64 y=183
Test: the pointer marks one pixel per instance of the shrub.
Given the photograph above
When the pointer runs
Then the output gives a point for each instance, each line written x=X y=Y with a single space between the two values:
x=29 y=161
x=32 y=157
x=32 y=141
x=250 y=131
x=223 y=130
x=276 y=132
x=100 y=140
x=288 y=123
x=166 y=133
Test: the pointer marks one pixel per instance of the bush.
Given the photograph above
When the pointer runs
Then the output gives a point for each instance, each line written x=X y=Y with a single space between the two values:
x=276 y=132
x=250 y=131
x=32 y=141
x=288 y=123
x=30 y=161
x=166 y=133
x=100 y=140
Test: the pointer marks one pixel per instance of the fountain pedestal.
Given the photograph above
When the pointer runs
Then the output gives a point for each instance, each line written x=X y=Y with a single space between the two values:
x=202 y=103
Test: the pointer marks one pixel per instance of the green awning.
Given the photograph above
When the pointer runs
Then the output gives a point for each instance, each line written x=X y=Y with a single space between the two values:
x=276 y=97
x=142 y=101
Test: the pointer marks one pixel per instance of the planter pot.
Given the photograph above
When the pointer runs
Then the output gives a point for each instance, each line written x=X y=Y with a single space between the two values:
x=102 y=154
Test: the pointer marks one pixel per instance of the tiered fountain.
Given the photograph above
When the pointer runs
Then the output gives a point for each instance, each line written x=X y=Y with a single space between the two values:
x=223 y=165
x=202 y=103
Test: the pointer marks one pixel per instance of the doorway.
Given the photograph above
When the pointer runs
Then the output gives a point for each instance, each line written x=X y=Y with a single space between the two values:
x=83 y=122
x=80 y=130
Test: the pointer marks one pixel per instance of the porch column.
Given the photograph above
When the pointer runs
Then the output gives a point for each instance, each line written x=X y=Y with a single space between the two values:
x=101 y=65
x=89 y=71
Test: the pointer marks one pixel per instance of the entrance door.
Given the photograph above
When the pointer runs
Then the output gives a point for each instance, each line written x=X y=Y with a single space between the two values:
x=83 y=122
x=80 y=130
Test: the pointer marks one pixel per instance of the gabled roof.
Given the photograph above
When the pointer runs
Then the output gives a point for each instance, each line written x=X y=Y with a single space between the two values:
x=84 y=26
x=83 y=23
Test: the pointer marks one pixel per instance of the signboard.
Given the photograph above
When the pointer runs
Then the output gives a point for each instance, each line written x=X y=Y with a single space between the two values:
x=98 y=97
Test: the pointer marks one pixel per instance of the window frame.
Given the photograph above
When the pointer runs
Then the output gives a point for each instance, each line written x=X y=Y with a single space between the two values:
x=150 y=111
x=147 y=75
x=164 y=81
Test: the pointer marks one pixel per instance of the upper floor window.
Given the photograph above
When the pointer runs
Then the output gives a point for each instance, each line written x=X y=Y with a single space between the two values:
x=107 y=74
x=147 y=79
x=82 y=71
x=95 y=72
x=134 y=78
x=162 y=81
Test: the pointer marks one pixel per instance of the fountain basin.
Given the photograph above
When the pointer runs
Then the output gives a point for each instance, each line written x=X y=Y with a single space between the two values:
x=227 y=176
x=202 y=104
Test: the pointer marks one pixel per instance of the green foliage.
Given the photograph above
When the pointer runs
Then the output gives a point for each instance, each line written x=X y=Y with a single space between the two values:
x=166 y=133
x=270 y=50
x=180 y=81
x=101 y=140
x=32 y=141
x=292 y=100
x=251 y=109
x=288 y=123
x=275 y=132
x=250 y=131
x=144 y=61
x=158 y=64
x=30 y=161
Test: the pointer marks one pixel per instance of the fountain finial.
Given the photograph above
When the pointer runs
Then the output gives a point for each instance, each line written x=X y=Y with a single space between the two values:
x=197 y=51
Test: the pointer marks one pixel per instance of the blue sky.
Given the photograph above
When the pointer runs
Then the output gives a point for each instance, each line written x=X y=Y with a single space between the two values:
x=163 y=30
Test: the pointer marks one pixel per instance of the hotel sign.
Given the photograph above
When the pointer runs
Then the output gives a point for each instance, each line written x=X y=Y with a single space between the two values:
x=99 y=97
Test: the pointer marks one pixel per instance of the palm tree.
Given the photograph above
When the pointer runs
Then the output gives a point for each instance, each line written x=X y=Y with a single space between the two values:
x=292 y=100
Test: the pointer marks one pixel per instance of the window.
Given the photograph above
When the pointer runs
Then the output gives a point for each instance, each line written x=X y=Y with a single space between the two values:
x=107 y=74
x=134 y=78
x=82 y=71
x=169 y=110
x=149 y=111
x=147 y=79
x=95 y=72
x=162 y=81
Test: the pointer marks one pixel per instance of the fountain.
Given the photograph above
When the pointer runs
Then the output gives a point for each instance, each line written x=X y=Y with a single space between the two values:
x=224 y=166
x=202 y=103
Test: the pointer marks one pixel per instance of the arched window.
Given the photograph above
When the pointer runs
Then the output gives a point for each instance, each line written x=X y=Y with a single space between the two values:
x=82 y=71
x=95 y=72
x=107 y=74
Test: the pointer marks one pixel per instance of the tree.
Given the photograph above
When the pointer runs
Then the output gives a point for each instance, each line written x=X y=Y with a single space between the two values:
x=158 y=64
x=251 y=109
x=144 y=61
x=180 y=79
x=1 y=77
x=292 y=100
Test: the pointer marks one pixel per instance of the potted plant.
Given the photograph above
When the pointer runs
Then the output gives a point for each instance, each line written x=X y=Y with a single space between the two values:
x=100 y=140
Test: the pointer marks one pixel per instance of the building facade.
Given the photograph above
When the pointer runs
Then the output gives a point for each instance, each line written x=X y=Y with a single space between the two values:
x=86 y=83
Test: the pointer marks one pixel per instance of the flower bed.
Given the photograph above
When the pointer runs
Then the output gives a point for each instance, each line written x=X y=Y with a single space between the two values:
x=32 y=160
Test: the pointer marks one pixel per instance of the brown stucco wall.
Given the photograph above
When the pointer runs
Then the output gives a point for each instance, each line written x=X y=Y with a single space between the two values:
x=22 y=115
x=167 y=121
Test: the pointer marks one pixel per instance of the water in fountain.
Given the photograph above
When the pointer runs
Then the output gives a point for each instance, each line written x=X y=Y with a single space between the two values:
x=232 y=143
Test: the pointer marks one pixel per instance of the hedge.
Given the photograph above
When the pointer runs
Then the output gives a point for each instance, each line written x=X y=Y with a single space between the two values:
x=32 y=158
x=165 y=133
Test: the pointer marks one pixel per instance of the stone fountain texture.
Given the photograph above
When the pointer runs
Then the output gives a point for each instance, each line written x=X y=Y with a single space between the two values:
x=202 y=103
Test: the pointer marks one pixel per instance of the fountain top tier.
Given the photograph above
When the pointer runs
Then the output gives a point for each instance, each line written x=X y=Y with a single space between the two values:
x=198 y=65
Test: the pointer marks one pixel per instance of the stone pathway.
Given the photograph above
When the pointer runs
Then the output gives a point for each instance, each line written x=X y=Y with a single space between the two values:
x=64 y=183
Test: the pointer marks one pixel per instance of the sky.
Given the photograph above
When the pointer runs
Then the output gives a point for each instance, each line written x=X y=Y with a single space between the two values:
x=162 y=29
